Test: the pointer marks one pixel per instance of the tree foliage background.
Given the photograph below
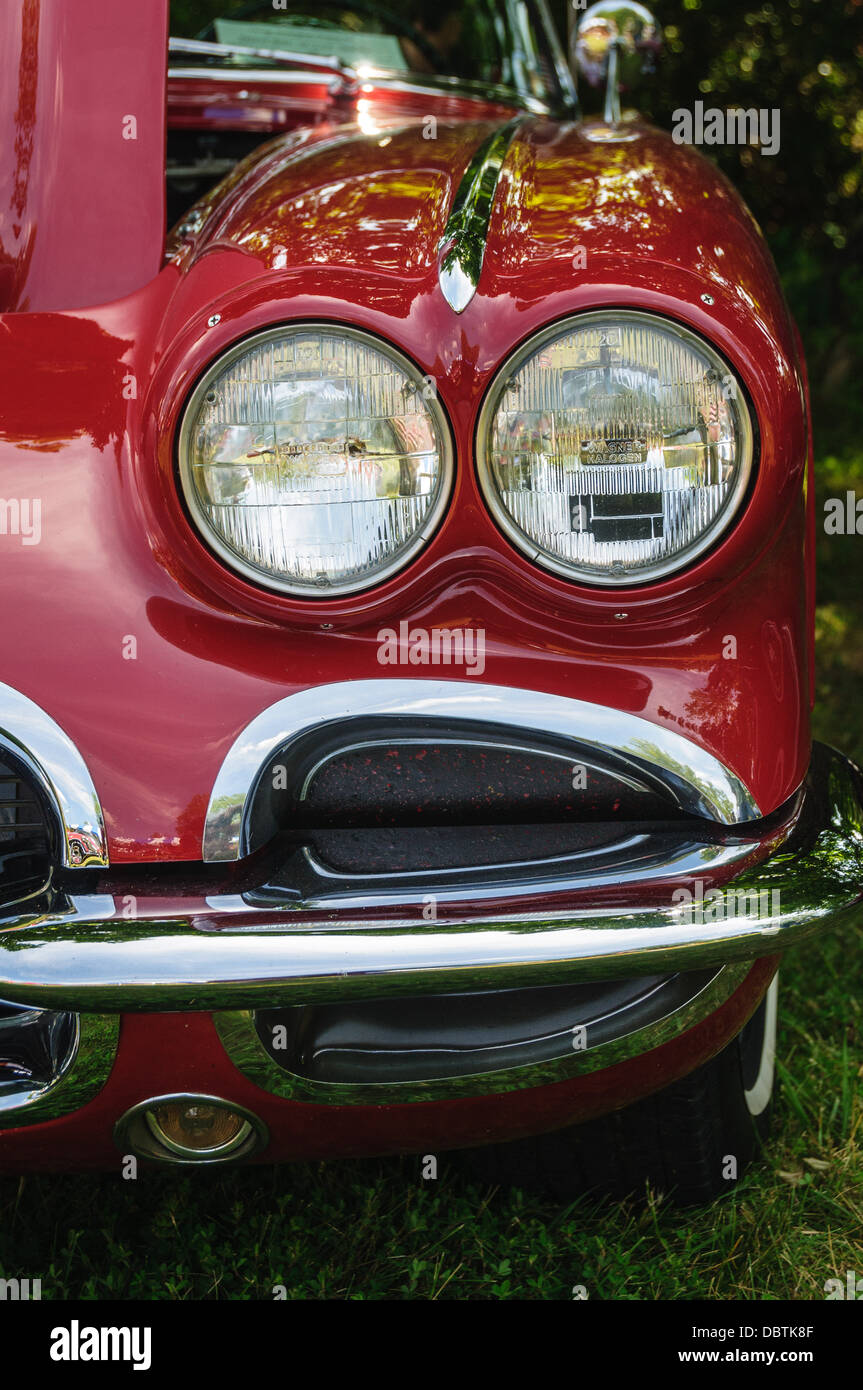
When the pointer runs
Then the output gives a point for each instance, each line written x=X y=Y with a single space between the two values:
x=805 y=58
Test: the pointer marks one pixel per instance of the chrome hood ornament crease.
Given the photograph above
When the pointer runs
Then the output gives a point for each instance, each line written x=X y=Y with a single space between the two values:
x=462 y=247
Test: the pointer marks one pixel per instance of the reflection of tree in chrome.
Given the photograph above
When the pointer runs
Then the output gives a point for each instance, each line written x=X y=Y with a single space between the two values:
x=654 y=756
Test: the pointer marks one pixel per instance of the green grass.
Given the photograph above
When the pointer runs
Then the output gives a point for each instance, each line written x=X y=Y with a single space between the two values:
x=376 y=1230
x=839 y=617
x=372 y=1230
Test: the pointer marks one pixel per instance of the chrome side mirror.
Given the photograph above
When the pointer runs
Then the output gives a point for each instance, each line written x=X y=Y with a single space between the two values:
x=616 y=44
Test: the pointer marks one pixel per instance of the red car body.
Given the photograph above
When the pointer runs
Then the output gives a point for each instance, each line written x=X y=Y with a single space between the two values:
x=106 y=327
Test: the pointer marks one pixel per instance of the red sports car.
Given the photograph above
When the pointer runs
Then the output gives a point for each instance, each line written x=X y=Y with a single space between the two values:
x=407 y=599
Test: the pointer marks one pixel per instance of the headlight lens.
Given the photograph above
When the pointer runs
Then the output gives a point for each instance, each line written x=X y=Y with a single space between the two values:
x=315 y=459
x=194 y=1128
x=615 y=447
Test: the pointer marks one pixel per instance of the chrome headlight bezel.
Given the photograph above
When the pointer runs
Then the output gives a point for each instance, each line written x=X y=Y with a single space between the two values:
x=649 y=574
x=236 y=563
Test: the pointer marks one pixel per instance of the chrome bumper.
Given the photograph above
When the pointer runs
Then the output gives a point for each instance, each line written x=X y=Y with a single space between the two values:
x=781 y=880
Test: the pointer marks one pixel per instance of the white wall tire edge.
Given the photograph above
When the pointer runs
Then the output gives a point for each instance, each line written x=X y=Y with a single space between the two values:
x=759 y=1095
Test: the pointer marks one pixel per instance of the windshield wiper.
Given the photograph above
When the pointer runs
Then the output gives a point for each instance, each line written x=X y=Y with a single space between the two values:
x=348 y=78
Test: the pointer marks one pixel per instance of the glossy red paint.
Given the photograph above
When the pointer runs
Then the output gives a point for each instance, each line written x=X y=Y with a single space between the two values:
x=183 y=1052
x=153 y=656
x=242 y=101
x=82 y=114
x=340 y=225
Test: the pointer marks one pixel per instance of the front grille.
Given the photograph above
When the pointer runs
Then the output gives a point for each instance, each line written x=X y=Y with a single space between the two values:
x=410 y=849
x=451 y=783
x=35 y=1047
x=25 y=835
x=375 y=776
x=373 y=799
x=432 y=1037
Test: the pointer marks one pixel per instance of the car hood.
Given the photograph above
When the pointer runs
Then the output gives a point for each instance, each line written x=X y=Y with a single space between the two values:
x=566 y=205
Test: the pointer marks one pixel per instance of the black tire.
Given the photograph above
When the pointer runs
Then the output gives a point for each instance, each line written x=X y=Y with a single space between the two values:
x=680 y=1141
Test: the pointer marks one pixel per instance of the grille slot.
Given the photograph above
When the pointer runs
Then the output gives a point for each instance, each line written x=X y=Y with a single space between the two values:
x=25 y=836
x=411 y=849
x=377 y=798
x=423 y=1039
x=444 y=782
x=378 y=776
x=35 y=1045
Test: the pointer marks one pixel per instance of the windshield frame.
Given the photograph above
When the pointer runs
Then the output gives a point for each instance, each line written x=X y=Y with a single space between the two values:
x=559 y=96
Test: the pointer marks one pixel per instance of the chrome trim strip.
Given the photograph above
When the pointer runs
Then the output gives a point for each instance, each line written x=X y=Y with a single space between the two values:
x=461 y=250
x=348 y=77
x=81 y=1079
x=699 y=782
x=633 y=859
x=245 y=76
x=378 y=80
x=628 y=860
x=348 y=80
x=461 y=87
x=263 y=958
x=52 y=758
x=561 y=66
x=806 y=877
x=240 y=1040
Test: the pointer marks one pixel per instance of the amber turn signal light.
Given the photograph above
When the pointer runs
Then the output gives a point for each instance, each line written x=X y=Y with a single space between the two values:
x=190 y=1129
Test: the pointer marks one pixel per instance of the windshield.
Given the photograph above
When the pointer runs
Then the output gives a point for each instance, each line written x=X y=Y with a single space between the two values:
x=483 y=41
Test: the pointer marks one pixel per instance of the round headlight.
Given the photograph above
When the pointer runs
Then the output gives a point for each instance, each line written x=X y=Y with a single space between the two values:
x=615 y=447
x=315 y=459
